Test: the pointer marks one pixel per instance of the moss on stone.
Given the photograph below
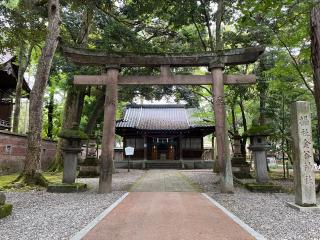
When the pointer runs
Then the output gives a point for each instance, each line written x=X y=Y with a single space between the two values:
x=66 y=188
x=73 y=134
x=263 y=187
x=259 y=130
x=5 y=210
x=88 y=174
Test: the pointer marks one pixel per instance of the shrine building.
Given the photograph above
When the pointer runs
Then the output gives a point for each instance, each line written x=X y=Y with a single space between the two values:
x=8 y=82
x=163 y=132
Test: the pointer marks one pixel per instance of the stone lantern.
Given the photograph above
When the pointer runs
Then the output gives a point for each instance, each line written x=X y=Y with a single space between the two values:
x=240 y=168
x=70 y=151
x=90 y=166
x=259 y=146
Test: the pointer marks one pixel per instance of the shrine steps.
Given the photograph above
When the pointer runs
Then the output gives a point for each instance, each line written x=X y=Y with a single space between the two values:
x=165 y=164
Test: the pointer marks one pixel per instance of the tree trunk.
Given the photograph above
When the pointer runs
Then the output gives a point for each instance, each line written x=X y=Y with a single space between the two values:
x=23 y=64
x=30 y=172
x=206 y=14
x=262 y=96
x=245 y=128
x=315 y=53
x=70 y=115
x=97 y=110
x=315 y=57
x=219 y=18
x=233 y=115
x=50 y=112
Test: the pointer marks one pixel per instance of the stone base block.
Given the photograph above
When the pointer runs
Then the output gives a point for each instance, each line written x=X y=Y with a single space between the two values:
x=88 y=171
x=90 y=161
x=240 y=168
x=5 y=210
x=263 y=187
x=67 y=188
x=241 y=172
x=302 y=208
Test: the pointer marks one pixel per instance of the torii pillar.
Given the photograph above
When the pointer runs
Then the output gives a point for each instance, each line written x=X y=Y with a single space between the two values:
x=109 y=125
x=221 y=130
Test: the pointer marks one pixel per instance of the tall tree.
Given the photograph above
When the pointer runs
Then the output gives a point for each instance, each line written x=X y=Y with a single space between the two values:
x=23 y=61
x=75 y=96
x=30 y=173
x=315 y=57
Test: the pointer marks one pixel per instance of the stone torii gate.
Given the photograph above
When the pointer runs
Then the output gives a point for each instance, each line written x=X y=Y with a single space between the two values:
x=113 y=62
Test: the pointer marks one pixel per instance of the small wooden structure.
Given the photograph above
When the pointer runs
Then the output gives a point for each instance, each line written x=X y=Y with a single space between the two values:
x=163 y=132
x=113 y=62
x=8 y=83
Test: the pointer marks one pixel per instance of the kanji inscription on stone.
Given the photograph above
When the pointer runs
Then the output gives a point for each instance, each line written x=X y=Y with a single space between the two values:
x=303 y=154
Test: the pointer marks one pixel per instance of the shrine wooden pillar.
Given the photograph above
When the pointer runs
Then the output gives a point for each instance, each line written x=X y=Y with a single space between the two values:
x=180 y=147
x=223 y=150
x=145 y=147
x=108 y=136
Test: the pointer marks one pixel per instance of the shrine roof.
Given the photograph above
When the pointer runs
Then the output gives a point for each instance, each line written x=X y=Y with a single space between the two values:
x=161 y=117
x=8 y=75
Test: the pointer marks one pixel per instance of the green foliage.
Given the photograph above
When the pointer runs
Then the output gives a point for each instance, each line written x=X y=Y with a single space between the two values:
x=5 y=210
x=264 y=130
x=284 y=73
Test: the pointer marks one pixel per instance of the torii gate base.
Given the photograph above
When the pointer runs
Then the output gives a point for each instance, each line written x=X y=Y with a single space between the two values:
x=215 y=62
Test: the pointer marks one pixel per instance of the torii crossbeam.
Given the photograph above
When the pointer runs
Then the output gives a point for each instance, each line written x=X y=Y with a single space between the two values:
x=113 y=62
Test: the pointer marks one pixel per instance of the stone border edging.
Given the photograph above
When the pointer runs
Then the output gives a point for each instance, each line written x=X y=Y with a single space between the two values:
x=79 y=235
x=247 y=228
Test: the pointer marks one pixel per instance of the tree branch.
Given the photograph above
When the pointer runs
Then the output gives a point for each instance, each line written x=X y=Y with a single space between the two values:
x=199 y=34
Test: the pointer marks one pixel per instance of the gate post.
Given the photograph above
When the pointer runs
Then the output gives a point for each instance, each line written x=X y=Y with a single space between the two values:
x=223 y=150
x=109 y=124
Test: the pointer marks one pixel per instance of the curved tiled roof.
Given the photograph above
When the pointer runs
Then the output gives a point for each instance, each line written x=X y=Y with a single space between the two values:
x=160 y=117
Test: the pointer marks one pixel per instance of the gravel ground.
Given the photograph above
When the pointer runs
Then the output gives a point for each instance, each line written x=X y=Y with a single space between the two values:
x=42 y=215
x=266 y=213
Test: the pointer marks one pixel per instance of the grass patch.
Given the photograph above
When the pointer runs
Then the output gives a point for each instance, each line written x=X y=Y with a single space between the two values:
x=53 y=177
x=6 y=182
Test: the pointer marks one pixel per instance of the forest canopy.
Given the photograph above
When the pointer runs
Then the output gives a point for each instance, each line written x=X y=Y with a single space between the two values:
x=284 y=72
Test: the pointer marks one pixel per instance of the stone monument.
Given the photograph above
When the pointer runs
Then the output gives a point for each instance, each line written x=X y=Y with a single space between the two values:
x=70 y=153
x=71 y=150
x=90 y=166
x=304 y=177
x=258 y=146
x=240 y=168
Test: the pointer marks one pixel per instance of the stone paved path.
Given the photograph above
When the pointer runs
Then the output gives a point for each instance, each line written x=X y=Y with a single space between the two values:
x=167 y=207
x=163 y=181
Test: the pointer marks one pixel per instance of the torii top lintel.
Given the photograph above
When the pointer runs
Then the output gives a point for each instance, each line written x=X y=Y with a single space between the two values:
x=100 y=57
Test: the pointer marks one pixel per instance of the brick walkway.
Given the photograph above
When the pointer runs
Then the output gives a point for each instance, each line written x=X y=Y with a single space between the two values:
x=164 y=205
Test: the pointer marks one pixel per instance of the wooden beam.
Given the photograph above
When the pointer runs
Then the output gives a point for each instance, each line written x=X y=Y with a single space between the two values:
x=102 y=58
x=164 y=80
